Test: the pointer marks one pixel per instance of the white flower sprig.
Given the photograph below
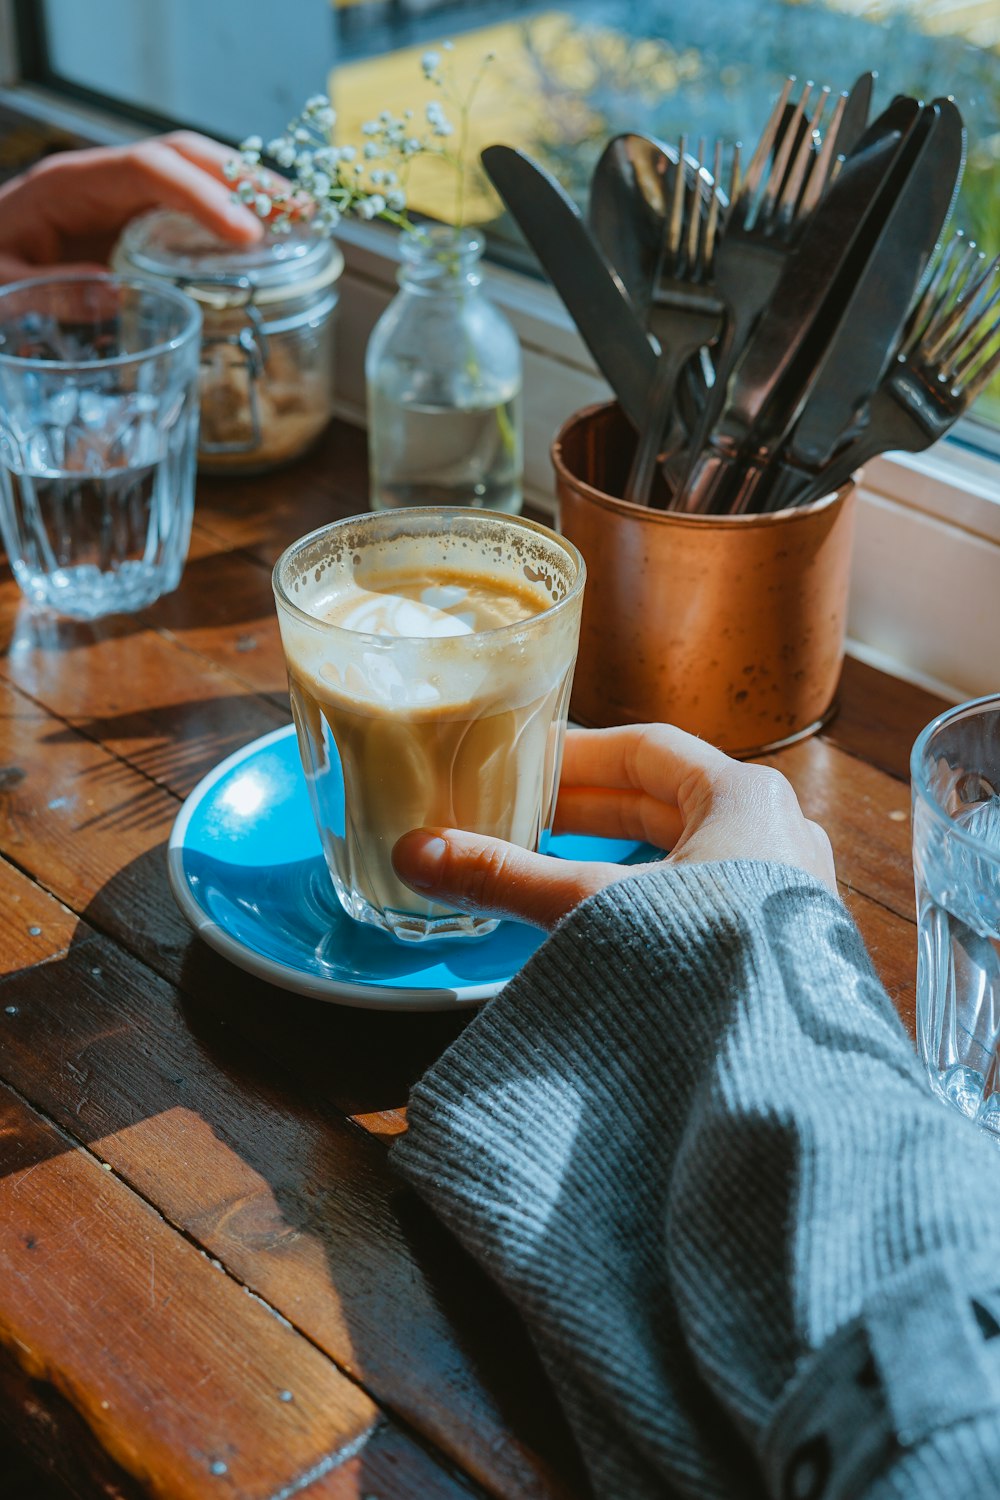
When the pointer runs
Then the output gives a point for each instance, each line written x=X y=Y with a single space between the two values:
x=325 y=182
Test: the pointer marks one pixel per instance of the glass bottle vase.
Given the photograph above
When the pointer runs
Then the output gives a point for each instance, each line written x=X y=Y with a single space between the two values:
x=443 y=376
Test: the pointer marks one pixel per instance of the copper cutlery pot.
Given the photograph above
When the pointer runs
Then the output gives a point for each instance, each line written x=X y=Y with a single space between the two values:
x=731 y=627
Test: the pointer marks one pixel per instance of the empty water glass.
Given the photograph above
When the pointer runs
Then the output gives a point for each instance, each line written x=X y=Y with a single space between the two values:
x=955 y=770
x=98 y=436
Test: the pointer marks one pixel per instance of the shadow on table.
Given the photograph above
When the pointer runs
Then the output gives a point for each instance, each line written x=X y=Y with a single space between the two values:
x=432 y=1308
x=173 y=745
x=105 y=1039
x=219 y=589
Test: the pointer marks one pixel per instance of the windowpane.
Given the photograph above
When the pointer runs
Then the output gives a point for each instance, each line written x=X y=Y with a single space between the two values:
x=566 y=77
x=224 y=66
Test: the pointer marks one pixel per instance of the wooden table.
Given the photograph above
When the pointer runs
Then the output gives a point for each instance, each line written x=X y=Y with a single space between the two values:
x=210 y=1282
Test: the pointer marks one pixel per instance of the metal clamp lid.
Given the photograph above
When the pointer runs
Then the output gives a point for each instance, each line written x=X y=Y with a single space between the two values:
x=216 y=274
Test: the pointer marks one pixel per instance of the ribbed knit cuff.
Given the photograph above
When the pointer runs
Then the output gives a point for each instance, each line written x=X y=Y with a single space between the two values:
x=619 y=1007
x=909 y=1385
x=692 y=1143
x=958 y=1463
x=628 y=994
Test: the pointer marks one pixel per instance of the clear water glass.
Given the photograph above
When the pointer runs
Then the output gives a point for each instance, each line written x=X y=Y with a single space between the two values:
x=98 y=438
x=955 y=770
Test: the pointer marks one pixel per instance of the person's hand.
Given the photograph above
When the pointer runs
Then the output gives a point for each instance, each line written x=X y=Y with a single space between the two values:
x=69 y=209
x=647 y=782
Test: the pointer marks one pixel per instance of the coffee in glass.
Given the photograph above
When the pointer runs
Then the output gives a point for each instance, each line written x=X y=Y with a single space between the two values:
x=430 y=656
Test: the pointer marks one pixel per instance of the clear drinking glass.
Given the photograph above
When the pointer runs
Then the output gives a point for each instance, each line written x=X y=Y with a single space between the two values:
x=955 y=769
x=98 y=435
x=443 y=378
x=397 y=731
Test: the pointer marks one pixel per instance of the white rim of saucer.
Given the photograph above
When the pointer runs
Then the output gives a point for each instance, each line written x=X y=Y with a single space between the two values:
x=358 y=996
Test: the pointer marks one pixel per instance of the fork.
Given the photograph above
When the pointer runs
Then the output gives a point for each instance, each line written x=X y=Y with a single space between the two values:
x=686 y=314
x=791 y=168
x=948 y=354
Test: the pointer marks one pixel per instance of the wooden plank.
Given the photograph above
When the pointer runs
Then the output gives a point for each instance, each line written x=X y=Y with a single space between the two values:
x=61 y=1453
x=20 y=1477
x=224 y=611
x=389 y=1467
x=92 y=831
x=866 y=813
x=102 y=1281
x=892 y=944
x=60 y=1458
x=164 y=710
x=415 y=1471
x=89 y=828
x=879 y=717
x=34 y=929
x=249 y=1158
x=265 y=514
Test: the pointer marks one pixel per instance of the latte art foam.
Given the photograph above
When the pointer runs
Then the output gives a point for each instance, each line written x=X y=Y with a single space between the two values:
x=405 y=607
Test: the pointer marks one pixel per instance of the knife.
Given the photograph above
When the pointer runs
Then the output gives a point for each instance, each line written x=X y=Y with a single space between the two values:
x=591 y=292
x=854 y=120
x=922 y=192
x=772 y=380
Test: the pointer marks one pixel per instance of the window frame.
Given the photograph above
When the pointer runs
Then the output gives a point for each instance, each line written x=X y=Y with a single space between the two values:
x=27 y=25
x=925 y=601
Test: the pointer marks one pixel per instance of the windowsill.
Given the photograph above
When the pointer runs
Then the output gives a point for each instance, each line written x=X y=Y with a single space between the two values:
x=96 y=126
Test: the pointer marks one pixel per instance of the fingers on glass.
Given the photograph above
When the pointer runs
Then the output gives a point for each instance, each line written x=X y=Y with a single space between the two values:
x=654 y=758
x=610 y=813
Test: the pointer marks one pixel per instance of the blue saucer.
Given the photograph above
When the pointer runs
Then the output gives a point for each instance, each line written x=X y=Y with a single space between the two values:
x=248 y=872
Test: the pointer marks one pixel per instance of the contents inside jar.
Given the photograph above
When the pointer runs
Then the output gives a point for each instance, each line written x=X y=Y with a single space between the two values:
x=266 y=384
x=292 y=394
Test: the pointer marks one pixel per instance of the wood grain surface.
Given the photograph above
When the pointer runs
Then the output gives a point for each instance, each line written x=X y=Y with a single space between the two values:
x=211 y=1282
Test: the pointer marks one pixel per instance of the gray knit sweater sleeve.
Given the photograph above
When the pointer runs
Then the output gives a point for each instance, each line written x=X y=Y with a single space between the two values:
x=692 y=1144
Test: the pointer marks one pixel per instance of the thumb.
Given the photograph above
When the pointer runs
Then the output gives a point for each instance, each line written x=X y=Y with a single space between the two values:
x=481 y=874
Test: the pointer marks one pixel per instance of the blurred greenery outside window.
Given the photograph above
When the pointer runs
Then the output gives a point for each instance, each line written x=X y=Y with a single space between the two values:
x=567 y=77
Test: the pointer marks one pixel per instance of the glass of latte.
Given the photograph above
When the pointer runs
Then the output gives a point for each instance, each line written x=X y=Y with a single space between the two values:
x=430 y=656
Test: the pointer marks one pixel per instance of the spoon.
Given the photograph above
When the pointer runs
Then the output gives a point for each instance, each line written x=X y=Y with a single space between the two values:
x=629 y=210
